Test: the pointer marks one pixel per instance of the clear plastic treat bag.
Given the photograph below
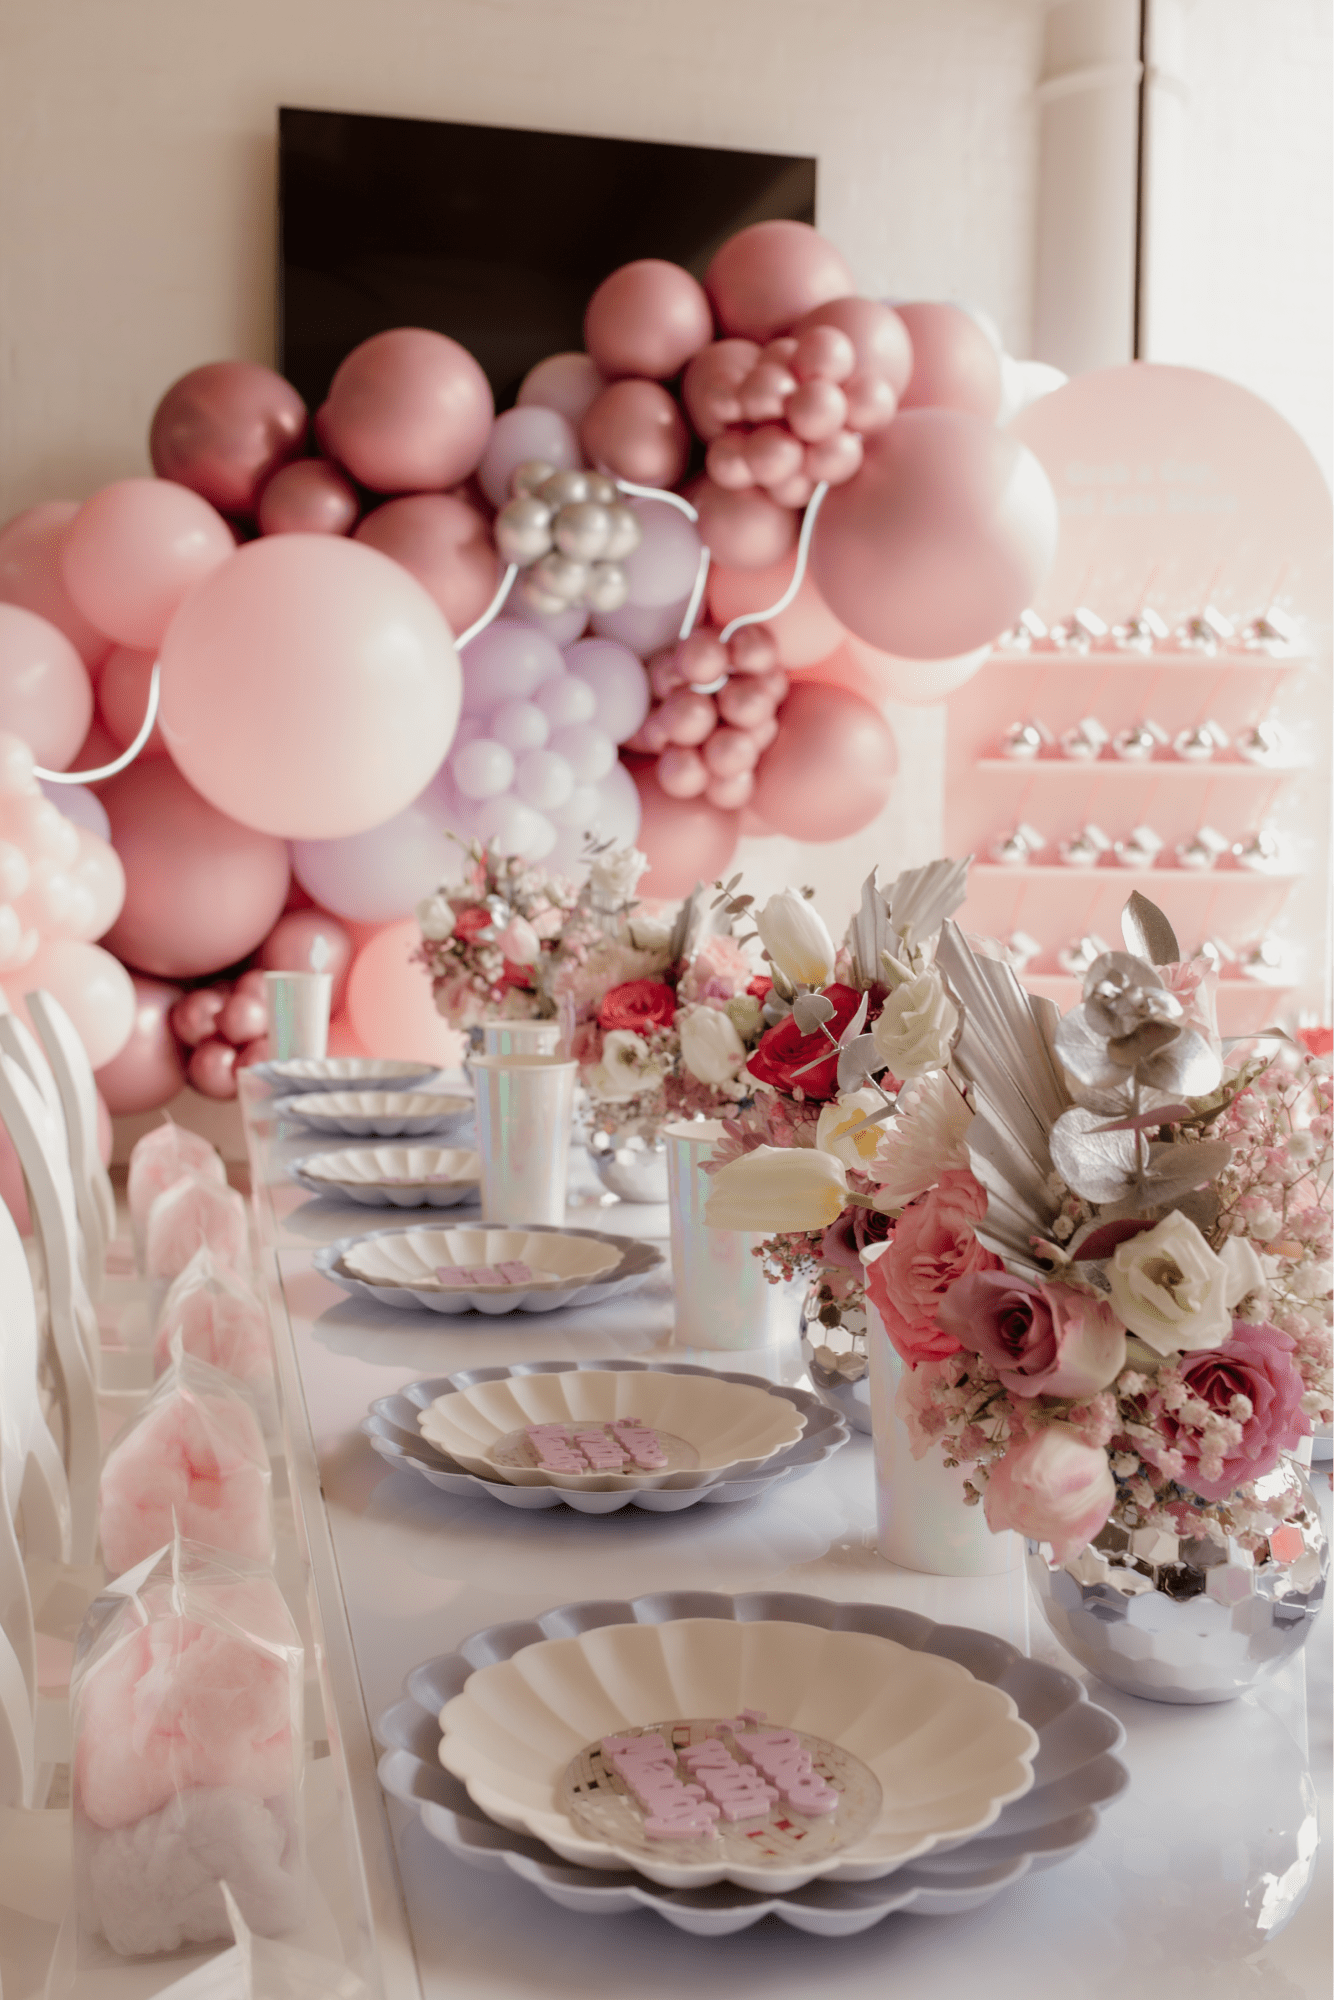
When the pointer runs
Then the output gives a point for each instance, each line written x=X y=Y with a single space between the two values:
x=192 y=1461
x=195 y=1211
x=188 y=1759
x=157 y=1162
x=222 y=1322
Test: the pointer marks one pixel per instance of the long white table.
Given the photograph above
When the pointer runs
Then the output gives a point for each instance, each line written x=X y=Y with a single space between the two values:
x=1180 y=1891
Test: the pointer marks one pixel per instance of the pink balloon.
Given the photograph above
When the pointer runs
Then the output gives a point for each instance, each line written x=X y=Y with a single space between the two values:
x=663 y=568
x=521 y=434
x=618 y=681
x=200 y=889
x=567 y=383
x=224 y=429
x=829 y=770
x=955 y=365
x=344 y=1039
x=310 y=941
x=445 y=544
x=917 y=682
x=195 y=1018
x=390 y=1003
x=635 y=431
x=807 y=631
x=244 y=1019
x=711 y=385
x=253 y=982
x=940 y=541
x=287 y=678
x=745 y=530
x=647 y=318
x=98 y=748
x=135 y=550
x=122 y=698
x=686 y=840
x=310 y=497
x=148 y=1072
x=765 y=277
x=45 y=694
x=883 y=352
x=99 y=872
x=212 y=1069
x=30 y=575
x=94 y=989
x=409 y=411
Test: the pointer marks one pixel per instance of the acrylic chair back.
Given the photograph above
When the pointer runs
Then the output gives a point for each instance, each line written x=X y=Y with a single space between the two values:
x=63 y=1048
x=72 y=1329
x=20 y=1419
x=17 y=1040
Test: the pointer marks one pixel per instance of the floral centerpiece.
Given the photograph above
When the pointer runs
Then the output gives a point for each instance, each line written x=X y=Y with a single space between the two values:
x=487 y=941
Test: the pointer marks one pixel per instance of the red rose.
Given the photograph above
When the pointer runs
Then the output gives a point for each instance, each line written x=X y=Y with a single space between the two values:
x=933 y=1246
x=761 y=986
x=639 y=1004
x=471 y=920
x=1256 y=1363
x=784 y=1050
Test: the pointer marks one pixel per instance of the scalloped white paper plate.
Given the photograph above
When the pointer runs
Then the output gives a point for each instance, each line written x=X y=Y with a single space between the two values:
x=412 y=1257
x=377 y=1114
x=949 y=1751
x=735 y=1428
x=392 y=1176
x=635 y=1261
x=310 y=1073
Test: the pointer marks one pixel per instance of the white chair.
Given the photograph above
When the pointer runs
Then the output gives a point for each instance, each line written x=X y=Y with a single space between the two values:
x=19 y=1043
x=73 y=1074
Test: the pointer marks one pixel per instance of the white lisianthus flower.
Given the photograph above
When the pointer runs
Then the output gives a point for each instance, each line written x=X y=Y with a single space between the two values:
x=778 y=1188
x=1246 y=1275
x=519 y=942
x=1169 y=1287
x=711 y=1048
x=649 y=933
x=913 y=1030
x=926 y=1140
x=627 y=1068
x=839 y=1116
x=795 y=937
x=435 y=918
x=615 y=874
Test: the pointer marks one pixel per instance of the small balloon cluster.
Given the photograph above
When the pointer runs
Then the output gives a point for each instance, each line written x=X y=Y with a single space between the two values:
x=570 y=531
x=715 y=716
x=224 y=1028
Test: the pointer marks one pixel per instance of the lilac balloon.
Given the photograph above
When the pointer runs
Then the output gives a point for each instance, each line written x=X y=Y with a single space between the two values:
x=579 y=810
x=482 y=769
x=562 y=626
x=662 y=569
x=619 y=684
x=619 y=809
x=515 y=827
x=543 y=778
x=80 y=805
x=518 y=435
x=588 y=750
x=379 y=876
x=507 y=662
x=567 y=700
x=567 y=853
x=644 y=629
x=569 y=383
x=520 y=726
x=445 y=805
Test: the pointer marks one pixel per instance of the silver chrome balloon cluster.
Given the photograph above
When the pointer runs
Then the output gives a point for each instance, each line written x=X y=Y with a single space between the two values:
x=570 y=532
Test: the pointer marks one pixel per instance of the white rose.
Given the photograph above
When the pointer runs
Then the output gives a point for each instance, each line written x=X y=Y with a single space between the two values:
x=435 y=918
x=615 y=874
x=711 y=1048
x=626 y=1068
x=914 y=1029
x=778 y=1188
x=795 y=937
x=1169 y=1288
x=1246 y=1276
x=649 y=933
x=836 y=1119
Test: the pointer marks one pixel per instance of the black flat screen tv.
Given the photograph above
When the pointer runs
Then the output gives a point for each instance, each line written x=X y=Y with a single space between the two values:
x=493 y=236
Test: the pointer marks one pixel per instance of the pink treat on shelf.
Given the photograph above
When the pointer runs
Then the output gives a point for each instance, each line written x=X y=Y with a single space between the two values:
x=219 y=1319
x=198 y=1210
x=192 y=1463
x=160 y=1159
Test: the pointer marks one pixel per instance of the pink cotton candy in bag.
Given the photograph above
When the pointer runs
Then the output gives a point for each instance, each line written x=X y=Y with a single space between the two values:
x=220 y=1321
x=194 y=1213
x=159 y=1160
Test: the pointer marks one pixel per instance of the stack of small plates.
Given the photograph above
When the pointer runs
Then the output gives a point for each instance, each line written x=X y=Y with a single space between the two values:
x=402 y=1267
x=307 y=1073
x=377 y=1114
x=392 y=1176
x=957 y=1763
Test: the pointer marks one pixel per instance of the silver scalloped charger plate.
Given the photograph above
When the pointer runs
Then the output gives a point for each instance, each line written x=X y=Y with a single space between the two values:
x=637 y=1260
x=394 y=1433
x=1075 y=1772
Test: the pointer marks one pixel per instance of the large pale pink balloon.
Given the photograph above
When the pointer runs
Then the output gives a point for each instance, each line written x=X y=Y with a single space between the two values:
x=310 y=688
x=647 y=318
x=390 y=1004
x=829 y=770
x=525 y=433
x=30 y=575
x=806 y=632
x=224 y=429
x=409 y=411
x=635 y=431
x=201 y=890
x=686 y=840
x=148 y=1072
x=917 y=682
x=445 y=544
x=45 y=694
x=310 y=497
x=567 y=383
x=122 y=698
x=940 y=541
x=100 y=871
x=745 y=530
x=310 y=941
x=765 y=277
x=954 y=365
x=135 y=550
x=94 y=989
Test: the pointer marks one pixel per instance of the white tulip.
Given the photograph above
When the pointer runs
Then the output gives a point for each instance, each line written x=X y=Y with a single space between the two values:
x=711 y=1048
x=778 y=1188
x=795 y=937
x=435 y=918
x=1169 y=1288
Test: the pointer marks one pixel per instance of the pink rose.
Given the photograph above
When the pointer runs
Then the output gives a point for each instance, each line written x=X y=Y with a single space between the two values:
x=1254 y=1363
x=934 y=1245
x=1051 y=1487
x=1042 y=1340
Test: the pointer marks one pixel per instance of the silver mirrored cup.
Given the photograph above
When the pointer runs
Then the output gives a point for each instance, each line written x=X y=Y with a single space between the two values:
x=524 y=1107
